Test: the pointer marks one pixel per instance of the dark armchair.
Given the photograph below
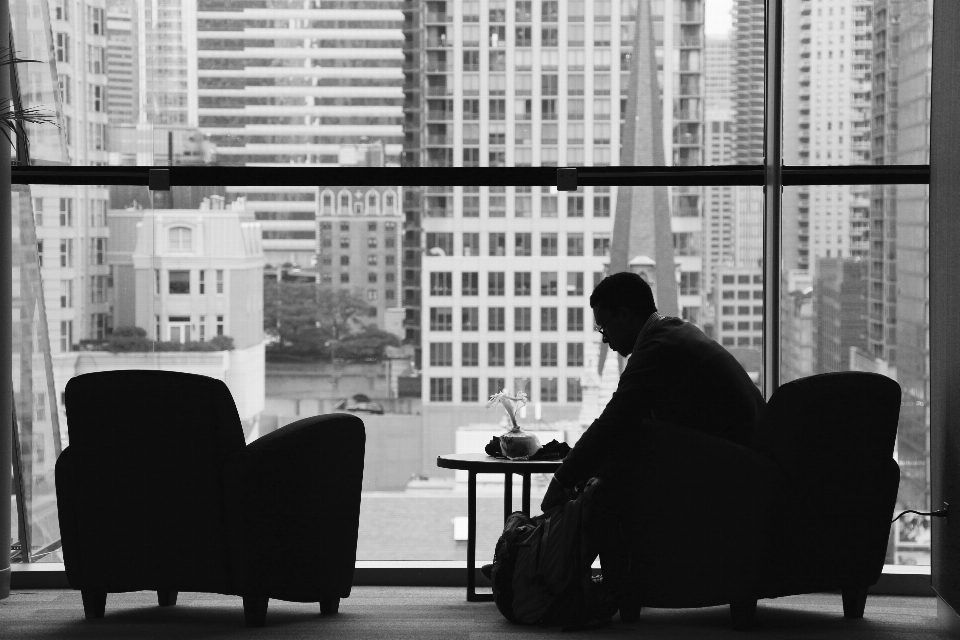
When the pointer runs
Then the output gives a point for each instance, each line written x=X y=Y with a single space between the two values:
x=805 y=509
x=157 y=491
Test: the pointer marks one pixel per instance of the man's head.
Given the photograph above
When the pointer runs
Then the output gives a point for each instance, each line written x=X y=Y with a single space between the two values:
x=621 y=304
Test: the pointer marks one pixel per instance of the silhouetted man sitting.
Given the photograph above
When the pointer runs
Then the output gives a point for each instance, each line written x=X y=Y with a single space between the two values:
x=674 y=374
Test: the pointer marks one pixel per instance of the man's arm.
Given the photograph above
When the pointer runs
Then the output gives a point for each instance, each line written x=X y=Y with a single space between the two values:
x=627 y=407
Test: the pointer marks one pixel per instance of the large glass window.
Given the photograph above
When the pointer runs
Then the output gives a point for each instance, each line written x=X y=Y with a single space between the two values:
x=528 y=84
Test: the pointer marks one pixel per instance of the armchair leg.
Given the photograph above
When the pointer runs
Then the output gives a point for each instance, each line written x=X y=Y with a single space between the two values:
x=329 y=606
x=167 y=598
x=255 y=610
x=742 y=614
x=854 y=601
x=94 y=603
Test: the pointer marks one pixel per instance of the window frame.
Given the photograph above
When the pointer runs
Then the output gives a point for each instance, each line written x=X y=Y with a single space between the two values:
x=773 y=175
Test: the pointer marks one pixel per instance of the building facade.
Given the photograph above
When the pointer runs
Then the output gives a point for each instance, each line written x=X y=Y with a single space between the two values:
x=283 y=82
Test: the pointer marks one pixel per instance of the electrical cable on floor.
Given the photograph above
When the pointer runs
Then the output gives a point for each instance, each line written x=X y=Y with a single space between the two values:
x=939 y=513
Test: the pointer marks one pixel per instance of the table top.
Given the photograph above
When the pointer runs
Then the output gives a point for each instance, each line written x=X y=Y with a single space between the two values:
x=483 y=463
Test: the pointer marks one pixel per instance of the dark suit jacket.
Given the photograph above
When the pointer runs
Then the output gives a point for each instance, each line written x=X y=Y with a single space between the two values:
x=677 y=375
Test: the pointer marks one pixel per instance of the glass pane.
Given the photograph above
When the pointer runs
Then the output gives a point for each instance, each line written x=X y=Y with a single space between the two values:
x=39 y=433
x=855 y=298
x=435 y=84
x=856 y=82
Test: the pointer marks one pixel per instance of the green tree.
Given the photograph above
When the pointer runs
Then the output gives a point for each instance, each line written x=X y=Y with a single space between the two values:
x=301 y=317
x=368 y=344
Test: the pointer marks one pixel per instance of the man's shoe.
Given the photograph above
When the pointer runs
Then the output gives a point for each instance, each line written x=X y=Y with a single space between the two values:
x=487 y=571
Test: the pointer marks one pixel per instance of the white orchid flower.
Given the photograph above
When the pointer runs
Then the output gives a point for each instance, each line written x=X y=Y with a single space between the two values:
x=511 y=404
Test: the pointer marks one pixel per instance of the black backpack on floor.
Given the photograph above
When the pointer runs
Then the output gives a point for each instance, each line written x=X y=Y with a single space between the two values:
x=538 y=575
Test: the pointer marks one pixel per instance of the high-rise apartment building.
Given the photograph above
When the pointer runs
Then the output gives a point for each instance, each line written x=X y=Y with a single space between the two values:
x=284 y=82
x=507 y=271
x=71 y=221
x=898 y=282
x=839 y=311
x=834 y=128
x=718 y=136
x=123 y=84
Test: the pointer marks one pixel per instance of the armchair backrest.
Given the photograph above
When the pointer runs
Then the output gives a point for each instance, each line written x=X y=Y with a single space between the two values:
x=833 y=423
x=150 y=448
x=833 y=436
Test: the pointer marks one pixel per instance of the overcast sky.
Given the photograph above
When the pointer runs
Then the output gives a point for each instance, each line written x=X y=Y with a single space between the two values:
x=717 y=16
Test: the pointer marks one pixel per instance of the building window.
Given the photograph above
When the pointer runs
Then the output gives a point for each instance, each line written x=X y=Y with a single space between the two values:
x=496 y=283
x=66 y=335
x=219 y=280
x=66 y=253
x=495 y=385
x=470 y=318
x=470 y=354
x=521 y=283
x=98 y=251
x=496 y=319
x=548 y=354
x=548 y=389
x=548 y=244
x=372 y=277
x=548 y=283
x=523 y=244
x=522 y=354
x=66 y=294
x=441 y=354
x=470 y=283
x=574 y=391
x=441 y=389
x=548 y=318
x=574 y=283
x=496 y=354
x=574 y=319
x=202 y=283
x=574 y=354
x=498 y=244
x=219 y=325
x=441 y=319
x=470 y=389
x=601 y=244
x=66 y=212
x=441 y=283
x=574 y=206
x=471 y=244
x=178 y=282
x=521 y=319
x=440 y=244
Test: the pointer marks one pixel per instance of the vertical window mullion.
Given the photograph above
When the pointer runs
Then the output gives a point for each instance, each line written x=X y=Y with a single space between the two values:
x=773 y=192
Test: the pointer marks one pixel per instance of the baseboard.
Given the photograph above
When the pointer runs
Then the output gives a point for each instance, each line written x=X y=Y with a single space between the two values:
x=948 y=618
x=895 y=579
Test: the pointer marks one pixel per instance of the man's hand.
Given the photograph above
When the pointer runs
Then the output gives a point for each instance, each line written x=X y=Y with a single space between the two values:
x=555 y=496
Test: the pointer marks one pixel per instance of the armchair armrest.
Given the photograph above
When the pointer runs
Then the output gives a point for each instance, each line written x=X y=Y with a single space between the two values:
x=698 y=509
x=293 y=505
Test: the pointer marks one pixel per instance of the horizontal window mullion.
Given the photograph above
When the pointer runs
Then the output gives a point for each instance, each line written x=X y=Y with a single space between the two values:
x=749 y=175
x=856 y=174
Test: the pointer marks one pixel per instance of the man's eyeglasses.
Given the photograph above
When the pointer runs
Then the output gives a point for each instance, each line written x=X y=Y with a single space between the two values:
x=599 y=329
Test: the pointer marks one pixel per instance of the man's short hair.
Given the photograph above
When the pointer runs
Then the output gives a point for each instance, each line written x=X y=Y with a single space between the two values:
x=624 y=289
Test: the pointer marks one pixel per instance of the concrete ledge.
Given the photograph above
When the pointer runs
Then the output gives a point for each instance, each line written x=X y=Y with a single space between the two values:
x=895 y=580
x=948 y=618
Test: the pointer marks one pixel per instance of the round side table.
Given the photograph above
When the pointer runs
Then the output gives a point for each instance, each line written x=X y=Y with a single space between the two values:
x=474 y=463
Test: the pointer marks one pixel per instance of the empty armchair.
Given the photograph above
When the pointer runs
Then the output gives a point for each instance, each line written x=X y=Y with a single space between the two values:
x=157 y=491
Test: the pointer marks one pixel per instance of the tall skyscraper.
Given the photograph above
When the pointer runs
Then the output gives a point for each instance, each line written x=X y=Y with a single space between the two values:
x=719 y=241
x=71 y=221
x=123 y=84
x=287 y=82
x=545 y=83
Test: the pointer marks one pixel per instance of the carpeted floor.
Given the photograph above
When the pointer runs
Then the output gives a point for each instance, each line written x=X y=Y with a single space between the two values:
x=440 y=612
